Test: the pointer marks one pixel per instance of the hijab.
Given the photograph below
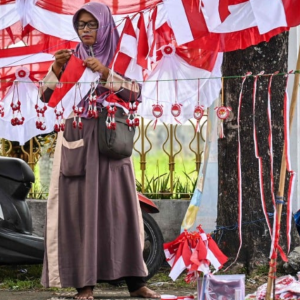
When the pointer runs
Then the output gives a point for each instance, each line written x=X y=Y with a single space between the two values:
x=107 y=35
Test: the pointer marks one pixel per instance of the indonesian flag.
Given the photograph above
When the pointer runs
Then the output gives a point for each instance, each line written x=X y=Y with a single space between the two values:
x=230 y=24
x=75 y=77
x=125 y=59
x=181 y=260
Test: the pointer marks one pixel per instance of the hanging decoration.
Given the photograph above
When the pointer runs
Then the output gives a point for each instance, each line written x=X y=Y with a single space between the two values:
x=239 y=165
x=92 y=109
x=133 y=119
x=288 y=162
x=199 y=109
x=256 y=150
x=40 y=111
x=59 y=121
x=175 y=108
x=77 y=110
x=111 y=120
x=157 y=109
x=1 y=110
x=17 y=118
x=222 y=112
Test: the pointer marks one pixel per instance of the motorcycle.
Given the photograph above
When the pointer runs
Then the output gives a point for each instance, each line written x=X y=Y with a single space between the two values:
x=18 y=245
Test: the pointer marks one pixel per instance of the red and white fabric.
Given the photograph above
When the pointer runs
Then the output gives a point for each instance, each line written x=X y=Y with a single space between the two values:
x=66 y=94
x=171 y=67
x=26 y=92
x=230 y=24
x=125 y=59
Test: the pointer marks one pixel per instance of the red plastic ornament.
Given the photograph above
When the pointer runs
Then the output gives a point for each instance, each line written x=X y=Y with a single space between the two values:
x=176 y=109
x=157 y=110
x=198 y=112
x=223 y=112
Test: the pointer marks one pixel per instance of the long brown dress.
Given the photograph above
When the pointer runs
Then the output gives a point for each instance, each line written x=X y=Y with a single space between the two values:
x=94 y=227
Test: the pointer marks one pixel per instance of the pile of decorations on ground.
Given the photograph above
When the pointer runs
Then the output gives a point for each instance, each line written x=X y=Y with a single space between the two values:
x=286 y=287
x=197 y=252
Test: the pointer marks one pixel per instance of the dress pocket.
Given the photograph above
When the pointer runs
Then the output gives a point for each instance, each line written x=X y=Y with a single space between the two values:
x=73 y=158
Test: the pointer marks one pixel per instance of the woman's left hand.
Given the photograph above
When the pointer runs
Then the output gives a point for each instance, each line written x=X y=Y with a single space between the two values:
x=96 y=66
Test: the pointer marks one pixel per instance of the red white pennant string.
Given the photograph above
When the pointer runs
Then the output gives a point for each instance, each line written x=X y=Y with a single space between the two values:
x=259 y=158
x=240 y=199
x=40 y=111
x=17 y=118
x=276 y=227
x=270 y=141
x=175 y=108
x=288 y=163
x=157 y=109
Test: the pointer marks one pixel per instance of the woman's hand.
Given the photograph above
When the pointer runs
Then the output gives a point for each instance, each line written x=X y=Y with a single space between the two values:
x=61 y=57
x=96 y=66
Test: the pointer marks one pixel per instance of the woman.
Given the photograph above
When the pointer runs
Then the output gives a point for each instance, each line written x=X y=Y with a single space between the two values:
x=94 y=226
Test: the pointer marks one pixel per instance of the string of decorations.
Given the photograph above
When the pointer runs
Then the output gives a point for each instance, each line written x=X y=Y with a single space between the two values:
x=166 y=80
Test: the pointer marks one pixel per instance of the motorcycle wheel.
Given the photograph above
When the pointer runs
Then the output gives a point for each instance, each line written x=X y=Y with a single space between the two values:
x=153 y=248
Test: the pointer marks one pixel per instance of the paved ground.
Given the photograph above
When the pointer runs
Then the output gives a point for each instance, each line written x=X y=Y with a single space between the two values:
x=114 y=293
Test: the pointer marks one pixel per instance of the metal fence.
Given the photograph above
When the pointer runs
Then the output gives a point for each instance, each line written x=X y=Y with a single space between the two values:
x=171 y=145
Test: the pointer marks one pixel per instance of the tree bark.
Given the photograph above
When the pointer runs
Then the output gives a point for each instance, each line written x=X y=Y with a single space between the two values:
x=268 y=57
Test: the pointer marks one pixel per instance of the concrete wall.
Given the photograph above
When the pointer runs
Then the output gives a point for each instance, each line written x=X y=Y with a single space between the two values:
x=168 y=219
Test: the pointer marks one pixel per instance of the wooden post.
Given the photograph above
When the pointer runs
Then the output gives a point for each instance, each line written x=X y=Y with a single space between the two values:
x=280 y=193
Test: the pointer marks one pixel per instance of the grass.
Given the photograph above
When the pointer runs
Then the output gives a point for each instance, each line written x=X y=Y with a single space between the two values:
x=28 y=277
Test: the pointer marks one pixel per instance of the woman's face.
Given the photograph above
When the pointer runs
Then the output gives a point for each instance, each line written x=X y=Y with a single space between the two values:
x=87 y=27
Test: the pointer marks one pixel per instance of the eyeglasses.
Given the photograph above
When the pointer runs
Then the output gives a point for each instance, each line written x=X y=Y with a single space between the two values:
x=91 y=25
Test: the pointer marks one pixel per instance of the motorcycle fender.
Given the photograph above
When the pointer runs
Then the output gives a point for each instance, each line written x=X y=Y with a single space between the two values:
x=147 y=205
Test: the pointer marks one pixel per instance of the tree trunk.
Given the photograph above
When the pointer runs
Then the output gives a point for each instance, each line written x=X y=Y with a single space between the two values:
x=268 y=57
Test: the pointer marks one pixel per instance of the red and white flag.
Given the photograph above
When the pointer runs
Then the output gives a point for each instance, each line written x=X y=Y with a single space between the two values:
x=181 y=260
x=125 y=59
x=66 y=91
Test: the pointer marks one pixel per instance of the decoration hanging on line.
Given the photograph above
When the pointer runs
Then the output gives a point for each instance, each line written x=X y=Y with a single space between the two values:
x=77 y=110
x=1 y=110
x=175 y=108
x=40 y=111
x=157 y=109
x=222 y=112
x=17 y=118
x=111 y=120
x=111 y=110
x=59 y=121
x=199 y=109
x=239 y=169
x=132 y=119
x=292 y=178
x=92 y=109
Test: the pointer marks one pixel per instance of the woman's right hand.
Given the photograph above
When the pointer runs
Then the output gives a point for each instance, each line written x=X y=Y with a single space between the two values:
x=61 y=57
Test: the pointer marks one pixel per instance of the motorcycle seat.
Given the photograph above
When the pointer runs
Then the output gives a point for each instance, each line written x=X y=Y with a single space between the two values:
x=15 y=169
